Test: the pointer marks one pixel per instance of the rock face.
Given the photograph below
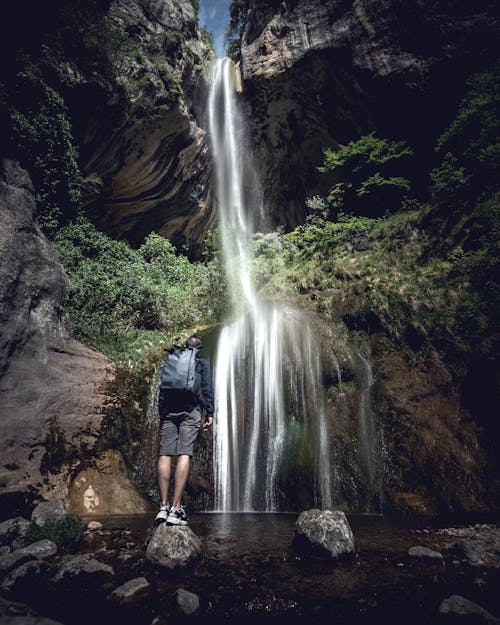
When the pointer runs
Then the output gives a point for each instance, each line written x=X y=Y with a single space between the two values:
x=143 y=140
x=104 y=488
x=321 y=72
x=323 y=532
x=50 y=385
x=172 y=547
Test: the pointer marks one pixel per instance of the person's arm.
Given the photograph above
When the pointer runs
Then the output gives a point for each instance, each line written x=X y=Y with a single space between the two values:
x=207 y=390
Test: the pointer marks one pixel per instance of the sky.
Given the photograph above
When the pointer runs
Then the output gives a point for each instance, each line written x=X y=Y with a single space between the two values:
x=214 y=16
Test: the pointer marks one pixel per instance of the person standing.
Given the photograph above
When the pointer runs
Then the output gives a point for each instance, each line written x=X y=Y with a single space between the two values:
x=180 y=420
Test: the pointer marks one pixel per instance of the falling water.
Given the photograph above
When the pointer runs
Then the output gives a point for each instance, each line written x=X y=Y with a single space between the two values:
x=369 y=444
x=269 y=398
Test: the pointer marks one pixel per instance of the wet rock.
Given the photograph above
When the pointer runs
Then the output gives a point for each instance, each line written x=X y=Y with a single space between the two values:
x=424 y=552
x=323 y=532
x=479 y=544
x=95 y=525
x=20 y=582
x=187 y=603
x=172 y=547
x=130 y=591
x=46 y=511
x=84 y=569
x=36 y=551
x=13 y=531
x=456 y=605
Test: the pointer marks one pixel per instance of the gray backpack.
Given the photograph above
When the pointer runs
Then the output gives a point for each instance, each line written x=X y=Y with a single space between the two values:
x=180 y=371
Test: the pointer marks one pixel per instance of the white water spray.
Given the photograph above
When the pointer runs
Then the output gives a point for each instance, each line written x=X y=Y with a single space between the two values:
x=269 y=397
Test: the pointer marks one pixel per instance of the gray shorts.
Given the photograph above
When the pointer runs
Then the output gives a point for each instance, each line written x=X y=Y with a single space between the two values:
x=178 y=433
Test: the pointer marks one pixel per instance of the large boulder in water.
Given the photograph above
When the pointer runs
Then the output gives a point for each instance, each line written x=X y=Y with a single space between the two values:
x=172 y=547
x=323 y=532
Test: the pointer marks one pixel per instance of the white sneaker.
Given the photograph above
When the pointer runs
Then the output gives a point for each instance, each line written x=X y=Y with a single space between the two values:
x=177 y=516
x=162 y=514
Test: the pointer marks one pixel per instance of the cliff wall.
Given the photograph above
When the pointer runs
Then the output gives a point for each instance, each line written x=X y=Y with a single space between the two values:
x=321 y=73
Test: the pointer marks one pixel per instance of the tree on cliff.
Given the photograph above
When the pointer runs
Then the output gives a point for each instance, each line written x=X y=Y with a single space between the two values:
x=369 y=173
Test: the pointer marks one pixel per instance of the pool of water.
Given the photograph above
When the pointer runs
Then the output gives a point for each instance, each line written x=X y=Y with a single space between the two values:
x=227 y=534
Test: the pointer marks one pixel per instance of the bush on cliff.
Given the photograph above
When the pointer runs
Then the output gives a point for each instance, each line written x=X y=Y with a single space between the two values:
x=370 y=171
x=114 y=289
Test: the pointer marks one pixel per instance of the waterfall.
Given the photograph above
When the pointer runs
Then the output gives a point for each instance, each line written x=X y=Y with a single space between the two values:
x=270 y=404
x=370 y=457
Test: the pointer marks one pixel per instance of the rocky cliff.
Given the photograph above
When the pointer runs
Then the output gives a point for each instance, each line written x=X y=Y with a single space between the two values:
x=51 y=386
x=318 y=73
x=148 y=148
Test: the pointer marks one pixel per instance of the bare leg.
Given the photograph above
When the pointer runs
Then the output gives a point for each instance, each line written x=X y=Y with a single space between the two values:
x=181 y=476
x=164 y=465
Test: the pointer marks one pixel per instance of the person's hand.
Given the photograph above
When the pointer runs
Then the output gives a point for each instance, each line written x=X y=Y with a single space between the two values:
x=207 y=424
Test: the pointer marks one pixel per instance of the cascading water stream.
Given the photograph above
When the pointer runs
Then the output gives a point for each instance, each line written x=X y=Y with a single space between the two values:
x=269 y=397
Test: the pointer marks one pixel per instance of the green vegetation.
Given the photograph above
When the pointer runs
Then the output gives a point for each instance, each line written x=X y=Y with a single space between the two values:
x=369 y=169
x=238 y=17
x=67 y=533
x=115 y=291
x=425 y=274
x=43 y=138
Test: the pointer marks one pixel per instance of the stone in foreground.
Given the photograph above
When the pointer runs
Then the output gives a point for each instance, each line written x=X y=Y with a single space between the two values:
x=13 y=531
x=456 y=605
x=36 y=551
x=46 y=511
x=323 y=532
x=187 y=602
x=424 y=552
x=84 y=569
x=130 y=591
x=172 y=547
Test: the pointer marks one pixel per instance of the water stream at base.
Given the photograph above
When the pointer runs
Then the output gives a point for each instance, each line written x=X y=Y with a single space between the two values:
x=270 y=404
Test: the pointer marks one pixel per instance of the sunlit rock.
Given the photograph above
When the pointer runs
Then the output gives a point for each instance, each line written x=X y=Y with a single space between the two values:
x=172 y=547
x=323 y=532
x=105 y=488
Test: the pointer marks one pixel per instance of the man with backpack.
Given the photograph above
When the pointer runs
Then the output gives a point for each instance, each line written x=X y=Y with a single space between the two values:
x=185 y=390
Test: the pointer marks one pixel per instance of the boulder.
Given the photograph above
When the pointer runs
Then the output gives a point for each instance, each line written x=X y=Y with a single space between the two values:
x=95 y=525
x=130 y=591
x=323 y=532
x=424 y=552
x=456 y=605
x=187 y=603
x=20 y=582
x=172 y=547
x=36 y=551
x=13 y=531
x=83 y=569
x=48 y=511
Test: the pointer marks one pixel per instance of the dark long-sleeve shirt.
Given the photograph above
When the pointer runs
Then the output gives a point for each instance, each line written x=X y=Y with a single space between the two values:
x=185 y=401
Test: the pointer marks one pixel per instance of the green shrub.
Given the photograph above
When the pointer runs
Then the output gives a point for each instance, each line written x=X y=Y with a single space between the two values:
x=369 y=169
x=113 y=289
x=43 y=136
x=67 y=532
